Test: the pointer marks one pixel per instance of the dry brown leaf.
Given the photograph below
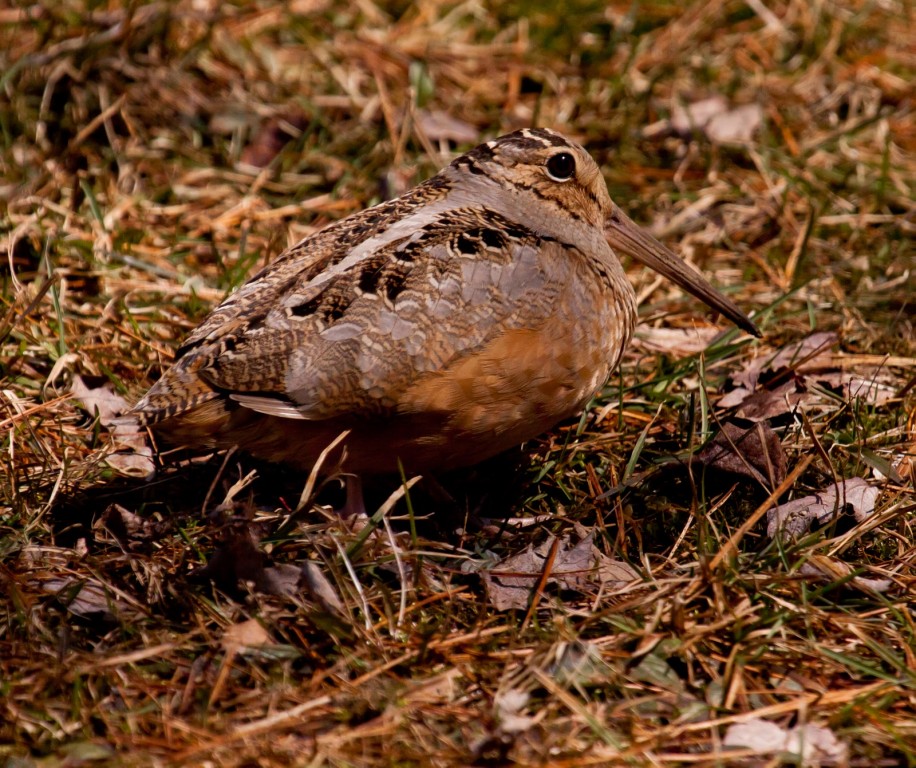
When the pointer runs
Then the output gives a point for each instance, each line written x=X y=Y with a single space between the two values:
x=101 y=400
x=439 y=126
x=280 y=579
x=436 y=689
x=272 y=136
x=134 y=456
x=796 y=517
x=246 y=634
x=765 y=404
x=314 y=582
x=905 y=465
x=127 y=527
x=137 y=464
x=798 y=356
x=713 y=118
x=578 y=663
x=675 y=341
x=736 y=126
x=829 y=569
x=814 y=745
x=615 y=573
x=687 y=118
x=734 y=398
x=786 y=376
x=753 y=452
x=509 y=583
x=510 y=705
x=875 y=390
x=237 y=559
x=89 y=599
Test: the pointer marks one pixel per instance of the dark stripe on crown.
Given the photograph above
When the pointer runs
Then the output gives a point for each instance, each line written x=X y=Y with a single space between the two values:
x=480 y=154
x=545 y=137
x=527 y=138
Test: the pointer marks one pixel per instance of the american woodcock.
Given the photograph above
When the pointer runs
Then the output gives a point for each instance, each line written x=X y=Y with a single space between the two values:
x=440 y=328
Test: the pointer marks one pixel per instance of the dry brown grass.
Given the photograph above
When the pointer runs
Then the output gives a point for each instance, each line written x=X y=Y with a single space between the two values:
x=154 y=154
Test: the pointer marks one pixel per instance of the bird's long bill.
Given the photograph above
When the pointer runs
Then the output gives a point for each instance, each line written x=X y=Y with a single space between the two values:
x=624 y=236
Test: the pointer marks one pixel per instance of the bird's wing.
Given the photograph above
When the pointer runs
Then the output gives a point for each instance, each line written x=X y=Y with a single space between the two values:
x=352 y=339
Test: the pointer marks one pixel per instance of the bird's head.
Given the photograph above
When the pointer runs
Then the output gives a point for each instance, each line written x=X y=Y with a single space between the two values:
x=557 y=189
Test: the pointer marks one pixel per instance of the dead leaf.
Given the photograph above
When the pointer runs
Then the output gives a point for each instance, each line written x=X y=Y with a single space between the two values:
x=140 y=465
x=246 y=634
x=680 y=342
x=814 y=745
x=509 y=583
x=101 y=400
x=615 y=573
x=280 y=579
x=439 y=126
x=905 y=464
x=314 y=581
x=88 y=598
x=510 y=705
x=734 y=398
x=736 y=126
x=128 y=528
x=655 y=669
x=272 y=136
x=687 y=118
x=237 y=559
x=236 y=639
x=875 y=390
x=797 y=357
x=829 y=569
x=133 y=456
x=785 y=381
x=572 y=566
x=713 y=118
x=578 y=663
x=765 y=404
x=755 y=453
x=79 y=753
x=795 y=518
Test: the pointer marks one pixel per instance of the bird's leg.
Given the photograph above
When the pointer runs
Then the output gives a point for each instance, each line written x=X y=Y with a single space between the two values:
x=354 y=505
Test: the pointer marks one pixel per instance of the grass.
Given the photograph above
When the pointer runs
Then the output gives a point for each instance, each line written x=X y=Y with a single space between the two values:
x=153 y=155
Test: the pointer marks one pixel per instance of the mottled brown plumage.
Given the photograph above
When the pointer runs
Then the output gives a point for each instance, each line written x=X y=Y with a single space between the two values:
x=472 y=313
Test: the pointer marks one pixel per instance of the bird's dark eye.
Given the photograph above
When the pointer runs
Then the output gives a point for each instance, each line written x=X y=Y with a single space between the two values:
x=561 y=166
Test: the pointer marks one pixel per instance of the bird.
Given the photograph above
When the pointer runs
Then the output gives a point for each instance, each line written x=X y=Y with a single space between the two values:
x=434 y=330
